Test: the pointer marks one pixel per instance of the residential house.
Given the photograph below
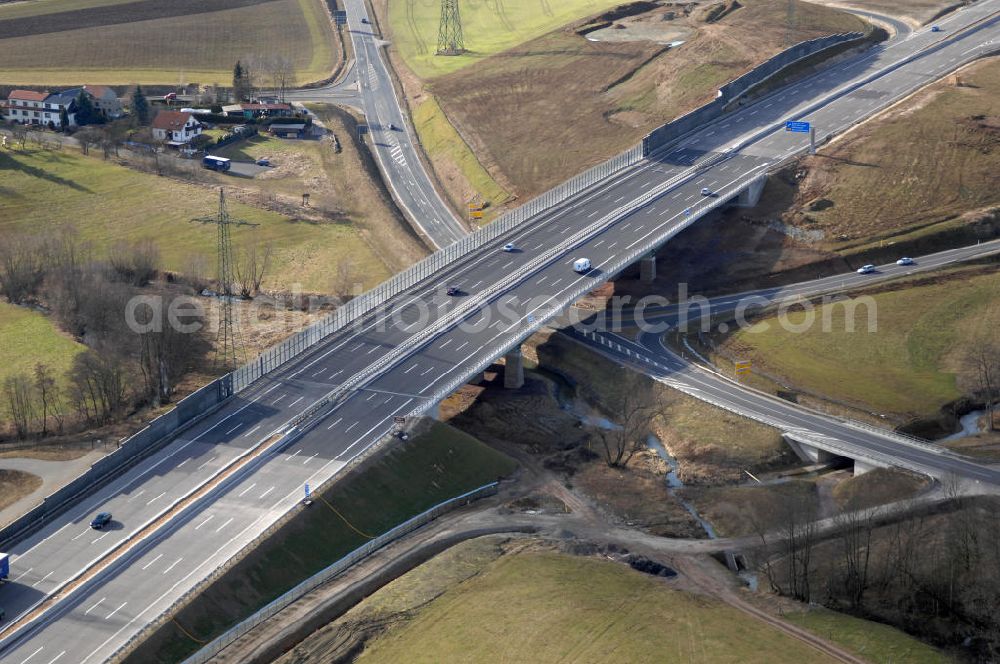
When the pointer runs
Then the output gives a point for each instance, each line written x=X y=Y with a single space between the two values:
x=288 y=129
x=175 y=127
x=39 y=108
x=102 y=97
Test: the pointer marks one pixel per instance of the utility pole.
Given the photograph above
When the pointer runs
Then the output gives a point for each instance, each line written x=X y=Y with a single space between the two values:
x=228 y=345
x=450 y=38
x=791 y=21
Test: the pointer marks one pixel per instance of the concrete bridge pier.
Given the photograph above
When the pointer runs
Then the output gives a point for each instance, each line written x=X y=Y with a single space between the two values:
x=513 y=369
x=750 y=196
x=647 y=268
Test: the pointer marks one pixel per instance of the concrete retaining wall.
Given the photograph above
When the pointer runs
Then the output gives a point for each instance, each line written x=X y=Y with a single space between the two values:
x=728 y=93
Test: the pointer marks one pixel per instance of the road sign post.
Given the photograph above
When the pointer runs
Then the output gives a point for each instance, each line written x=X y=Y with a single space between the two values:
x=812 y=140
x=742 y=368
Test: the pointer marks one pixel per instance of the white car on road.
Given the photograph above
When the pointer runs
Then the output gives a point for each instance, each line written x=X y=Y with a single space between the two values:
x=866 y=269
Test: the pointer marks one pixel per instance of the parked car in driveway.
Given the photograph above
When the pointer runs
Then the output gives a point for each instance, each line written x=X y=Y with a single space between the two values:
x=866 y=269
x=905 y=260
x=101 y=520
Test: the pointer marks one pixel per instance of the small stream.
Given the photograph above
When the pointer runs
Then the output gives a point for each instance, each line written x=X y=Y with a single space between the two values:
x=569 y=401
x=674 y=483
x=971 y=425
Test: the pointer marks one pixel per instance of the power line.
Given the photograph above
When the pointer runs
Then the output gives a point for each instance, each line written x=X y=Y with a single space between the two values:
x=228 y=346
x=450 y=38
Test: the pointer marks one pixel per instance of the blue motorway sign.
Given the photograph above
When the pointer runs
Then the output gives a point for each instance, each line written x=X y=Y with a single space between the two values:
x=340 y=17
x=797 y=127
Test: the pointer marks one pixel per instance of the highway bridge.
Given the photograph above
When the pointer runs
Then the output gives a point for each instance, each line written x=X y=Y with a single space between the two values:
x=192 y=506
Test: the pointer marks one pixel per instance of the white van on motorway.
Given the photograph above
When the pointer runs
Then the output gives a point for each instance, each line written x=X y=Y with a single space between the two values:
x=582 y=265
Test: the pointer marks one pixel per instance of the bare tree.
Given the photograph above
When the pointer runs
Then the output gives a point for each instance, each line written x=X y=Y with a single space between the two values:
x=856 y=524
x=21 y=267
x=19 y=133
x=166 y=352
x=136 y=262
x=196 y=272
x=282 y=74
x=20 y=403
x=342 y=284
x=635 y=406
x=98 y=382
x=87 y=137
x=983 y=360
x=47 y=391
x=251 y=267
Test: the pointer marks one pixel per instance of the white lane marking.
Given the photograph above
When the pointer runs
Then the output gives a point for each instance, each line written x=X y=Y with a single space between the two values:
x=56 y=658
x=173 y=565
x=234 y=428
x=32 y=655
x=210 y=517
x=412 y=367
x=93 y=607
x=305 y=461
x=295 y=454
x=296 y=401
x=335 y=374
x=77 y=537
x=334 y=423
x=264 y=495
x=225 y=524
x=427 y=371
x=180 y=465
x=205 y=463
x=151 y=562
x=99 y=538
x=350 y=427
x=464 y=344
x=42 y=579
x=116 y=610
x=370 y=396
x=246 y=490
x=251 y=431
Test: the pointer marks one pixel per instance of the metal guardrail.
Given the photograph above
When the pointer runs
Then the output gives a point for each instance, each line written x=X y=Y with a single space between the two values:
x=225 y=639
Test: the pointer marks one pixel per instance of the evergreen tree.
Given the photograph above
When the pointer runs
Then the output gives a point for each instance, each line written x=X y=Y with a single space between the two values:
x=140 y=106
x=63 y=118
x=241 y=84
x=85 y=112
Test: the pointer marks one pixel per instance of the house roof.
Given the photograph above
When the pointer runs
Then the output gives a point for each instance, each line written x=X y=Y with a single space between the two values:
x=60 y=98
x=288 y=127
x=99 y=90
x=28 y=95
x=266 y=107
x=170 y=120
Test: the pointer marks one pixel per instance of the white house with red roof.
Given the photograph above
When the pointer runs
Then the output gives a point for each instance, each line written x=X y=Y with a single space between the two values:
x=39 y=108
x=175 y=127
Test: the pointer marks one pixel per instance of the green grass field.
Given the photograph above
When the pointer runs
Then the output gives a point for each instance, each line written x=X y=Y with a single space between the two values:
x=444 y=145
x=176 y=43
x=547 y=607
x=907 y=367
x=27 y=338
x=875 y=642
x=44 y=190
x=405 y=481
x=489 y=27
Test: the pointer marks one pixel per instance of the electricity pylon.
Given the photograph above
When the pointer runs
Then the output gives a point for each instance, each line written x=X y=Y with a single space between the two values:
x=450 y=39
x=228 y=345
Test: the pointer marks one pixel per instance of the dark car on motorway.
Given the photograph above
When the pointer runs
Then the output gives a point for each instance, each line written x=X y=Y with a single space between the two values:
x=101 y=520
x=454 y=290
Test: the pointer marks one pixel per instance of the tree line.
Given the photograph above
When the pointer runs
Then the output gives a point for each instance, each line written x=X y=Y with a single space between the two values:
x=87 y=295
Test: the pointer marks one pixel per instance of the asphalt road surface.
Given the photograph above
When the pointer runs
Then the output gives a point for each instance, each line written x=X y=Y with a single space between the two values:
x=426 y=343
x=391 y=134
x=640 y=344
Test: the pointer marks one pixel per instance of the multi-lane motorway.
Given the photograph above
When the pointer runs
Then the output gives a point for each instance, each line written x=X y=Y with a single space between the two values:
x=391 y=133
x=640 y=344
x=426 y=342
